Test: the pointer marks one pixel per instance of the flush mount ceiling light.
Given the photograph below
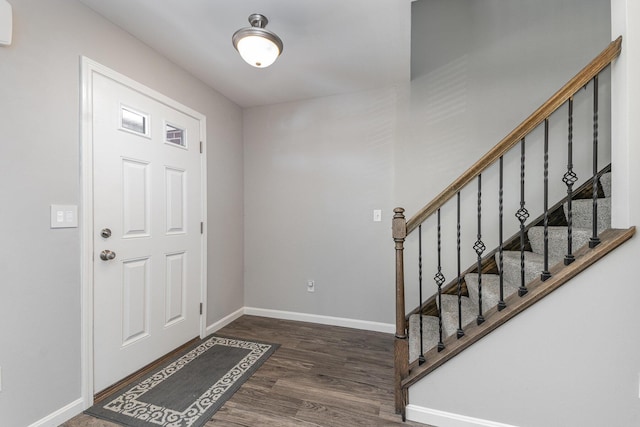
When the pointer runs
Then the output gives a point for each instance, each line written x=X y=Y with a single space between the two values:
x=257 y=46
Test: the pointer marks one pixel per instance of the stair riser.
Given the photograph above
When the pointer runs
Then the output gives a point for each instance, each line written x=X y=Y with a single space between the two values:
x=557 y=241
x=532 y=269
x=582 y=213
x=490 y=290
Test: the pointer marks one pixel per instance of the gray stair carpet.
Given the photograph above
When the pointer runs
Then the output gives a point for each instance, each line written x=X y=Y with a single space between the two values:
x=430 y=334
x=450 y=313
x=557 y=241
x=490 y=289
x=605 y=182
x=582 y=218
x=582 y=213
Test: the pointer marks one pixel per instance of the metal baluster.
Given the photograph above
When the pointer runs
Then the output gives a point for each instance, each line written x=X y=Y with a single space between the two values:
x=545 y=272
x=522 y=214
x=439 y=278
x=479 y=247
x=501 y=304
x=595 y=240
x=569 y=179
x=460 y=332
x=421 y=358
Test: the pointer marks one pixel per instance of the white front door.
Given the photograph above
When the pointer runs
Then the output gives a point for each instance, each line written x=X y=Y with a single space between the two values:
x=147 y=213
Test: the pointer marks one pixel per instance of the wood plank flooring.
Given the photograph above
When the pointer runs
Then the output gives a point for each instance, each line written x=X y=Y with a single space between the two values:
x=320 y=376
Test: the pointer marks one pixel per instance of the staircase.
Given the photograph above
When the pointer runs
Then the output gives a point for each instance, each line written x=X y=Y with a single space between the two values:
x=511 y=270
x=546 y=253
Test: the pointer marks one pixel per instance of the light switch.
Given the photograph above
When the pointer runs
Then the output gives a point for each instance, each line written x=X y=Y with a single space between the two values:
x=64 y=216
x=377 y=215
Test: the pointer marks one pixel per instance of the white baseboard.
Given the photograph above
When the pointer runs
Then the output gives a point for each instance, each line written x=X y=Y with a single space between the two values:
x=224 y=321
x=438 y=418
x=323 y=320
x=61 y=415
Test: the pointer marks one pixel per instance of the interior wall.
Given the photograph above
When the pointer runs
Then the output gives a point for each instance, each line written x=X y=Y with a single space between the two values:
x=479 y=68
x=314 y=172
x=40 y=288
x=569 y=360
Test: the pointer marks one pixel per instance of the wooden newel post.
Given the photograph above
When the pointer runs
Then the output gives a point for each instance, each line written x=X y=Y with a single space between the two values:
x=401 y=348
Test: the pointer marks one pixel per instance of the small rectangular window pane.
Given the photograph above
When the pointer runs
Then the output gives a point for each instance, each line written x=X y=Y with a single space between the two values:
x=134 y=121
x=175 y=135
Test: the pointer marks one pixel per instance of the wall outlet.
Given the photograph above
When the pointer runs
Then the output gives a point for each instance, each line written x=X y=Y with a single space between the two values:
x=311 y=286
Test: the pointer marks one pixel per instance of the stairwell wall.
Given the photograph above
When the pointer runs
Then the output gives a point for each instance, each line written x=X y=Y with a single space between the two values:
x=478 y=70
x=572 y=359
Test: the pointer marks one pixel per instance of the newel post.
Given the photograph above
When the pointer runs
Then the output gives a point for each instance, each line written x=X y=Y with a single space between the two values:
x=401 y=348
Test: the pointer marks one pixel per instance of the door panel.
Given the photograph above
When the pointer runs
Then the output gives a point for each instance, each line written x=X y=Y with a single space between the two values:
x=147 y=191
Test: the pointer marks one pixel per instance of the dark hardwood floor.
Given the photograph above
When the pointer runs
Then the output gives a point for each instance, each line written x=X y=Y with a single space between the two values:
x=320 y=376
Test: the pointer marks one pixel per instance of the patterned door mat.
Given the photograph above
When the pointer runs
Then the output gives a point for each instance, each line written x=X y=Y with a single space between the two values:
x=188 y=390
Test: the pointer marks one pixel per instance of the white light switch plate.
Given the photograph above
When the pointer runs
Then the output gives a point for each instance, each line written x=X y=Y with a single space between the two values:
x=377 y=215
x=64 y=216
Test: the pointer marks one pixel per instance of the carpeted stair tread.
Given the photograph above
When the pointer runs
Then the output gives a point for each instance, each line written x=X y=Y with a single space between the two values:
x=557 y=241
x=430 y=334
x=490 y=289
x=533 y=264
x=450 y=313
x=582 y=213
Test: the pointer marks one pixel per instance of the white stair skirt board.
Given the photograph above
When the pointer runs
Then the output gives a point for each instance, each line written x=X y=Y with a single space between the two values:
x=224 y=321
x=323 y=320
x=61 y=415
x=447 y=419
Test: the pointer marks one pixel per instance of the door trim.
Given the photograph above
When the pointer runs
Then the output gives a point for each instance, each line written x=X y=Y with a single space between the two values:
x=88 y=68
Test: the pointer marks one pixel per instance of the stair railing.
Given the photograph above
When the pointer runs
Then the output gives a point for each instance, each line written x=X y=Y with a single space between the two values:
x=402 y=228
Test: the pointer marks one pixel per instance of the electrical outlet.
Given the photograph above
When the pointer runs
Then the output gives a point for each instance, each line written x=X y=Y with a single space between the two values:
x=311 y=286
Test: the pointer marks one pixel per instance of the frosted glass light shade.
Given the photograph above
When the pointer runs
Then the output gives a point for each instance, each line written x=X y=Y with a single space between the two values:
x=258 y=51
x=257 y=46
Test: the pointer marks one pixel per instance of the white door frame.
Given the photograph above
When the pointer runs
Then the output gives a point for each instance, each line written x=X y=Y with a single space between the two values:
x=87 y=70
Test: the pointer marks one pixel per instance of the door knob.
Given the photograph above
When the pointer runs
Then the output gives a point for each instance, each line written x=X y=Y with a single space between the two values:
x=107 y=255
x=106 y=233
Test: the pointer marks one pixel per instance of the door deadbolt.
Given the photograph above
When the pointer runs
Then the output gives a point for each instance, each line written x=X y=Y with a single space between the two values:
x=106 y=233
x=107 y=255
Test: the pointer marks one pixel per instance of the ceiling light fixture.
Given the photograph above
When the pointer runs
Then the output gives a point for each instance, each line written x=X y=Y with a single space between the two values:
x=257 y=46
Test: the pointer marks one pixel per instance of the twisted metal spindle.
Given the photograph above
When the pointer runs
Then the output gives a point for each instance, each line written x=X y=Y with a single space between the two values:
x=439 y=278
x=545 y=271
x=479 y=247
x=501 y=304
x=460 y=332
x=569 y=179
x=595 y=240
x=421 y=358
x=522 y=214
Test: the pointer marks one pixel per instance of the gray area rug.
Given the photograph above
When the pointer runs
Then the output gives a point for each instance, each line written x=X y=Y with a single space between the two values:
x=187 y=391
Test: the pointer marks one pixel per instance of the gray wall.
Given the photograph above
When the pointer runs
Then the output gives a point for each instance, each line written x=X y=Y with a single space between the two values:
x=479 y=68
x=40 y=290
x=314 y=172
x=572 y=359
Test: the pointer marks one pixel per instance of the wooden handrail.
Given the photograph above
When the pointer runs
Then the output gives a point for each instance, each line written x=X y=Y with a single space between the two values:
x=552 y=104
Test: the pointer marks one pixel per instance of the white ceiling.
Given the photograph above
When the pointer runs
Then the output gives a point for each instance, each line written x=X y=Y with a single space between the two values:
x=330 y=46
